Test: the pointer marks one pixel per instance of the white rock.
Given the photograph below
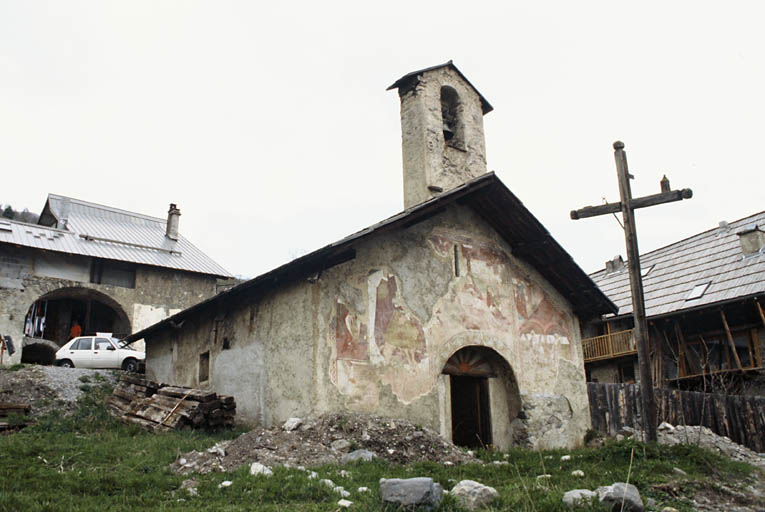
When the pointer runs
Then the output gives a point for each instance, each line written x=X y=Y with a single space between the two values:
x=313 y=475
x=259 y=469
x=577 y=473
x=448 y=463
x=472 y=495
x=342 y=492
x=618 y=493
x=225 y=483
x=665 y=427
x=544 y=477
x=345 y=503
x=391 y=451
x=363 y=489
x=329 y=483
x=182 y=461
x=292 y=424
x=344 y=474
x=565 y=458
x=578 y=496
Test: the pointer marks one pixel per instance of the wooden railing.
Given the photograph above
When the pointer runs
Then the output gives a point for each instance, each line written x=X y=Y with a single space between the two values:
x=607 y=346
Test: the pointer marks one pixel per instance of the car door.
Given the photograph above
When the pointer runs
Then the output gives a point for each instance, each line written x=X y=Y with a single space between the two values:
x=80 y=352
x=104 y=354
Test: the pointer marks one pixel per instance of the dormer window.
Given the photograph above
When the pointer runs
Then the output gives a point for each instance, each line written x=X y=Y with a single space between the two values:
x=451 y=114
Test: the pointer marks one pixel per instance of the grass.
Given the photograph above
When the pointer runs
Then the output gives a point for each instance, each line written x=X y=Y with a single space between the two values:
x=88 y=461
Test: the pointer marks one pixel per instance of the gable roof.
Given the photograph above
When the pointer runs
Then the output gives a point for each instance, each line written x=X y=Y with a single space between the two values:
x=491 y=200
x=104 y=232
x=408 y=79
x=712 y=257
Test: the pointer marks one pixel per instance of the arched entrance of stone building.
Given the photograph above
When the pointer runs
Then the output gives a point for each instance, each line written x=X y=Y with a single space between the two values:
x=51 y=317
x=484 y=397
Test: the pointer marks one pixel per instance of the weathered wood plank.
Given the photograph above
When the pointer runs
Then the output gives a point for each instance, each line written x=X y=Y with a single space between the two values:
x=741 y=418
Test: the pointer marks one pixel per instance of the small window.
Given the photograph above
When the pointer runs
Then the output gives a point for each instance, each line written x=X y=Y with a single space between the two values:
x=116 y=273
x=204 y=366
x=82 y=344
x=102 y=344
x=451 y=114
x=697 y=291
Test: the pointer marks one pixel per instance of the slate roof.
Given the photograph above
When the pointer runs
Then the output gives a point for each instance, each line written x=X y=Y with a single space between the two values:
x=104 y=232
x=713 y=257
x=490 y=199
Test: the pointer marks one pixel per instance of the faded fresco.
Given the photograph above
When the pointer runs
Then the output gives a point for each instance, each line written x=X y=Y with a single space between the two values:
x=490 y=301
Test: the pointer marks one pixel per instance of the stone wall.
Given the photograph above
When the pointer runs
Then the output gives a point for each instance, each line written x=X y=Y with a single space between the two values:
x=373 y=335
x=27 y=275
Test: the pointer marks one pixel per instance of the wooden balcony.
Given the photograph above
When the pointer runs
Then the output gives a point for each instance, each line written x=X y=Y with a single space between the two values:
x=616 y=344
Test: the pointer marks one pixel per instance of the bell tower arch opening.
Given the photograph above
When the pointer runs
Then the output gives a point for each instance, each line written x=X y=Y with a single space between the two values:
x=484 y=397
x=50 y=320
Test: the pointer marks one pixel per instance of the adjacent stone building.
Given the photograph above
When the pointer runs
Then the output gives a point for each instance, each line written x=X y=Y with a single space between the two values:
x=108 y=269
x=461 y=313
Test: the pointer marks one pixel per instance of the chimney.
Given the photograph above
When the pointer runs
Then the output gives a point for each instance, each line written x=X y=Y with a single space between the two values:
x=752 y=239
x=173 y=218
x=615 y=265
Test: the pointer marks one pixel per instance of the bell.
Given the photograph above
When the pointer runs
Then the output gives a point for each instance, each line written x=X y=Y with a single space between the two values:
x=448 y=133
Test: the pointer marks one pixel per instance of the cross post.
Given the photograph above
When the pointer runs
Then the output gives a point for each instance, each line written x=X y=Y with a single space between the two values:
x=627 y=206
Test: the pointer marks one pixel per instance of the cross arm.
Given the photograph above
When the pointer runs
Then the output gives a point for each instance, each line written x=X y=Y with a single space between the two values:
x=640 y=202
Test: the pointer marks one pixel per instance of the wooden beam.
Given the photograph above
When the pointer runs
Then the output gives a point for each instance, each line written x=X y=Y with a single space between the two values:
x=730 y=340
x=640 y=202
x=682 y=367
x=762 y=314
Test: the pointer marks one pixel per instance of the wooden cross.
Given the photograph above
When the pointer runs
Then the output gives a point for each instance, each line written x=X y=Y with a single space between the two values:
x=627 y=206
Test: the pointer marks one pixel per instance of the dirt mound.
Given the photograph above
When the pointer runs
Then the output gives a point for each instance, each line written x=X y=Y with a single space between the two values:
x=324 y=441
x=48 y=388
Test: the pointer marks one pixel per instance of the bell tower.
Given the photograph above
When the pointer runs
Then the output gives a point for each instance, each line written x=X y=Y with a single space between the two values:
x=441 y=131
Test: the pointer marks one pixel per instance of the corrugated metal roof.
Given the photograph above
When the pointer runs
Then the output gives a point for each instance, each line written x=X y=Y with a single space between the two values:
x=713 y=257
x=489 y=197
x=104 y=232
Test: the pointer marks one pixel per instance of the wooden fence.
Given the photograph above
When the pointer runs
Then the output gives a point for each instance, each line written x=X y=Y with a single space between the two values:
x=741 y=418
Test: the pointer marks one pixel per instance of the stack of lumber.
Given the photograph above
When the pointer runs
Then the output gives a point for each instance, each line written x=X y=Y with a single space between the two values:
x=6 y=409
x=156 y=406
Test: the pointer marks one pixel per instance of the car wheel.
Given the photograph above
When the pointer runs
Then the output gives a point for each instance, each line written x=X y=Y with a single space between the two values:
x=130 y=365
x=66 y=363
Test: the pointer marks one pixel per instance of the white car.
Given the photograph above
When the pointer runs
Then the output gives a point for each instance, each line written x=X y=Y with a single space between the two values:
x=100 y=351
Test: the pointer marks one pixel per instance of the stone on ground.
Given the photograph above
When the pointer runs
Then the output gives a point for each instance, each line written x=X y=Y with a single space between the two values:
x=578 y=497
x=292 y=424
x=358 y=455
x=411 y=492
x=341 y=445
x=472 y=495
x=577 y=473
x=612 y=496
x=345 y=503
x=259 y=469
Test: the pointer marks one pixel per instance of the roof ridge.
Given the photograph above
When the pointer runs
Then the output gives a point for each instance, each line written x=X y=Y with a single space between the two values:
x=107 y=208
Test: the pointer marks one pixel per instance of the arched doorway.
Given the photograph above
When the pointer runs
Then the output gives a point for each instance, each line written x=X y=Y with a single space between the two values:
x=484 y=397
x=52 y=315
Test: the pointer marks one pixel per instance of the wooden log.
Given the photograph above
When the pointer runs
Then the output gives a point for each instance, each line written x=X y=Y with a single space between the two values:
x=7 y=408
x=196 y=394
x=132 y=379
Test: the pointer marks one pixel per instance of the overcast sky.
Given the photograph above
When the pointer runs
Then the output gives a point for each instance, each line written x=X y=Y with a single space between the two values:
x=269 y=124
